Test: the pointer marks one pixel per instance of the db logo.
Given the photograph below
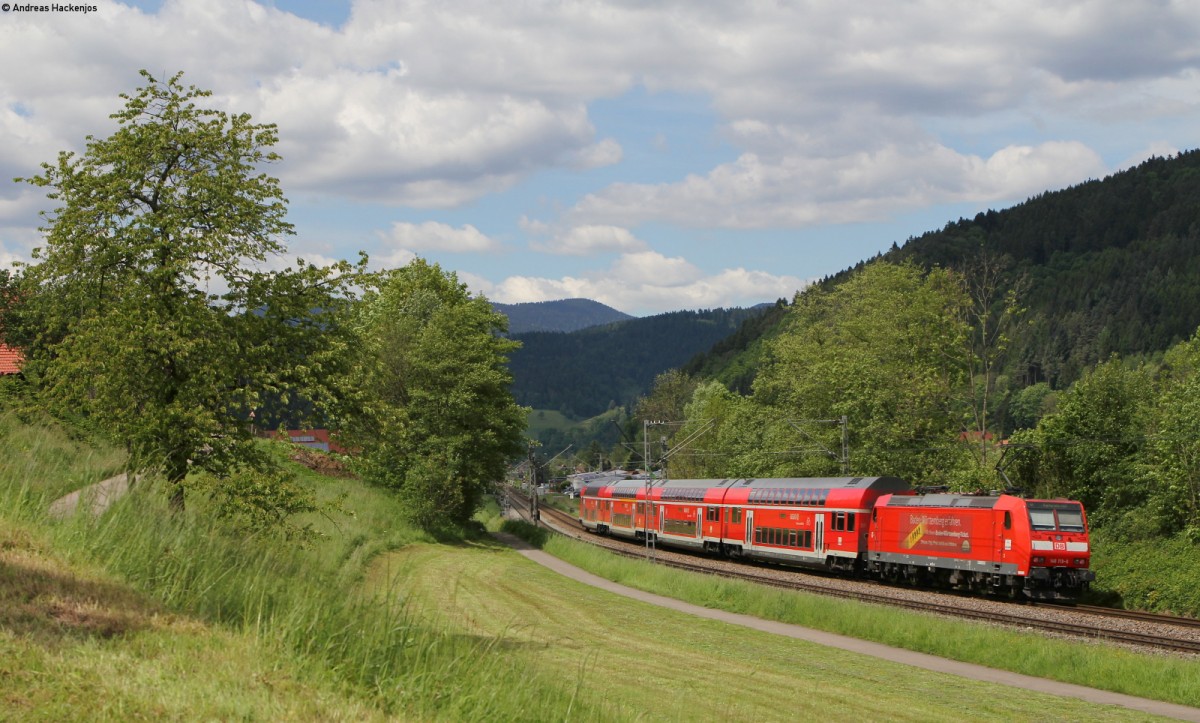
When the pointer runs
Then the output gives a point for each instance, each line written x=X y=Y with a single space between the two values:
x=1060 y=546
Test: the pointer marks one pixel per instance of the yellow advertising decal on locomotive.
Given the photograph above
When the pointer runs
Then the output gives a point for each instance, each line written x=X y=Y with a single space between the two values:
x=938 y=533
x=915 y=536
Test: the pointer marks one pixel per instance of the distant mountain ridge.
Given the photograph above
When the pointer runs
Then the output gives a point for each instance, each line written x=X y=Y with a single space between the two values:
x=564 y=315
x=586 y=372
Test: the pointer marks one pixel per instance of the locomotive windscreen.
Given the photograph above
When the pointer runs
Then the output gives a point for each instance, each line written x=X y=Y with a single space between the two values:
x=1061 y=516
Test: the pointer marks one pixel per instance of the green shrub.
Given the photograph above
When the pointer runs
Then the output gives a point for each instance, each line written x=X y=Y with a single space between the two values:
x=532 y=534
x=1158 y=574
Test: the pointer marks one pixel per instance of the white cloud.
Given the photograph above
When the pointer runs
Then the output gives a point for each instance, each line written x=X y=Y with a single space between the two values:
x=649 y=283
x=404 y=241
x=834 y=113
x=607 y=152
x=437 y=104
x=392 y=259
x=806 y=190
x=586 y=240
x=434 y=236
x=1161 y=149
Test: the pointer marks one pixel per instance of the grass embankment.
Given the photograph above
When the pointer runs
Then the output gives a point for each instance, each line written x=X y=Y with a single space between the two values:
x=142 y=613
x=1165 y=678
x=634 y=661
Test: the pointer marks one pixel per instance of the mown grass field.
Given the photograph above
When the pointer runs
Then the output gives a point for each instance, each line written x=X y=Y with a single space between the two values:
x=1159 y=677
x=542 y=419
x=639 y=662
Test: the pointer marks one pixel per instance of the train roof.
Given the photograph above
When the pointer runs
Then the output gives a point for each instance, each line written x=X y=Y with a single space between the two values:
x=944 y=500
x=890 y=484
x=879 y=484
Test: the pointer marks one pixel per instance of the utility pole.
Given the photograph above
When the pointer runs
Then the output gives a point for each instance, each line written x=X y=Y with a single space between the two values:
x=646 y=424
x=844 y=423
x=668 y=452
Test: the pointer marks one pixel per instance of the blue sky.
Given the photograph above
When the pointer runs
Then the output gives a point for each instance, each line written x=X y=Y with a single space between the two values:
x=653 y=156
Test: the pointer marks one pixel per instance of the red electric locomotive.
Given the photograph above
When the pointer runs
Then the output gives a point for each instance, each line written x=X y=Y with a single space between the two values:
x=873 y=525
x=1038 y=548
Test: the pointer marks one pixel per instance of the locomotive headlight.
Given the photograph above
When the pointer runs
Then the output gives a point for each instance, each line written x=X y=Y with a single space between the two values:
x=1039 y=560
x=1082 y=561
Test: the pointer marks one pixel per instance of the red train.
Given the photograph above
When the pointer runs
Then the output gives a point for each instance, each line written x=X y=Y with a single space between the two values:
x=876 y=526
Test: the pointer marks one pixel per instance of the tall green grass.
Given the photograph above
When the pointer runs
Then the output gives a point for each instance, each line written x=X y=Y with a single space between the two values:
x=42 y=462
x=306 y=602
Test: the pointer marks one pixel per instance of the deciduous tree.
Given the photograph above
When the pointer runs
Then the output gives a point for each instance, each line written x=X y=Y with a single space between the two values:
x=436 y=420
x=884 y=349
x=150 y=308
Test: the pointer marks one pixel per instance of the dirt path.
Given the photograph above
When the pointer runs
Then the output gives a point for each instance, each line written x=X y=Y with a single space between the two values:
x=908 y=657
x=93 y=499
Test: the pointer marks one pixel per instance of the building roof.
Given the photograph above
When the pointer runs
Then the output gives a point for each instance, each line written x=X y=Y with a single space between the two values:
x=10 y=360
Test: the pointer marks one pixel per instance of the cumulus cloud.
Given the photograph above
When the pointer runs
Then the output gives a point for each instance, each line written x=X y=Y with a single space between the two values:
x=607 y=152
x=585 y=240
x=404 y=241
x=834 y=113
x=650 y=283
x=434 y=236
x=806 y=190
x=379 y=109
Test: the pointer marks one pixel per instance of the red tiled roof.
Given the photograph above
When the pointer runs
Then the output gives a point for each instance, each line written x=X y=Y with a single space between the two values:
x=10 y=360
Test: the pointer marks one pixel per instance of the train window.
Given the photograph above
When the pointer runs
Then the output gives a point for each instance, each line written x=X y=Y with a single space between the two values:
x=1007 y=520
x=735 y=515
x=757 y=535
x=792 y=538
x=1070 y=520
x=1042 y=519
x=850 y=522
x=713 y=514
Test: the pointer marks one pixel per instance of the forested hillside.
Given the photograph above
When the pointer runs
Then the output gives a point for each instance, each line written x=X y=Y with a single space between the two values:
x=1109 y=266
x=561 y=315
x=586 y=372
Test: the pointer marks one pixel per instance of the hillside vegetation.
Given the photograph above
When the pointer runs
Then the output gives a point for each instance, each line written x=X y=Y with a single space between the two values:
x=1109 y=266
x=146 y=613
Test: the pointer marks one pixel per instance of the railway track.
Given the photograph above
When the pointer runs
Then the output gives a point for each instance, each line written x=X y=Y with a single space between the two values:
x=1157 y=634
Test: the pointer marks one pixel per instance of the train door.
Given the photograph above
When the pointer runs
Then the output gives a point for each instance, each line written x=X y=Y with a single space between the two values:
x=749 y=526
x=819 y=535
x=699 y=523
x=1004 y=538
